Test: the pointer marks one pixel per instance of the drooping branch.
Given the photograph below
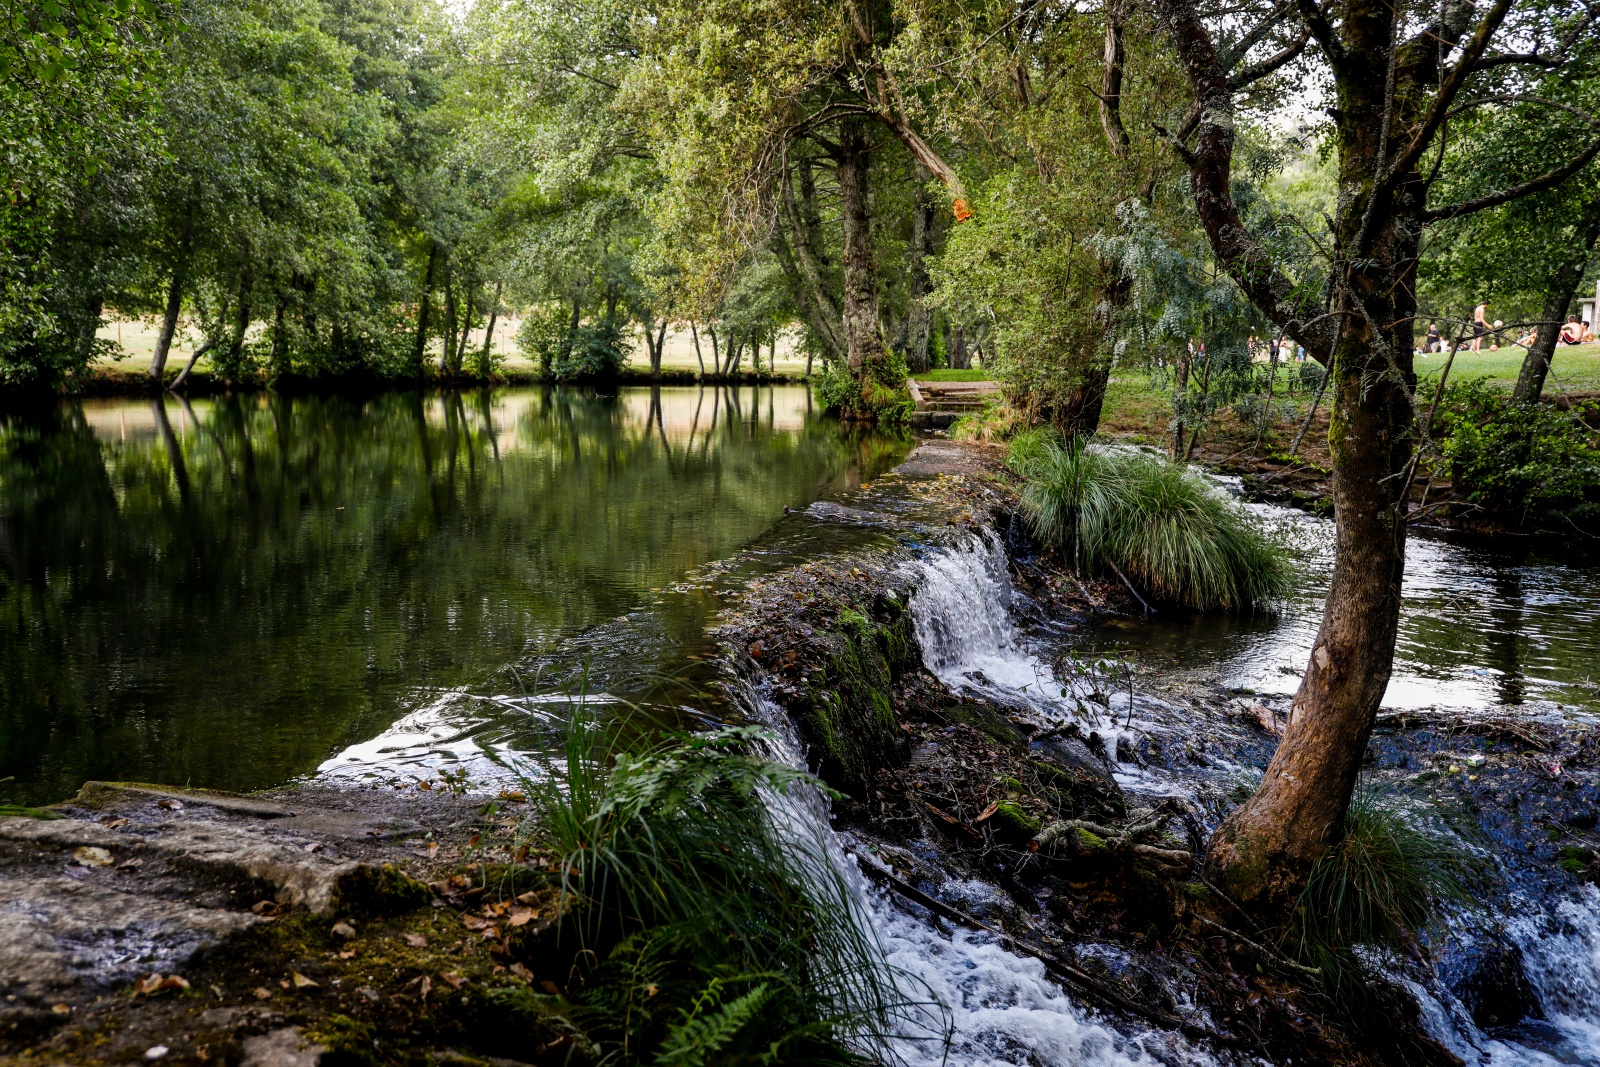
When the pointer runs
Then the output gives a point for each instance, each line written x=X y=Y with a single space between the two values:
x=1111 y=84
x=1210 y=166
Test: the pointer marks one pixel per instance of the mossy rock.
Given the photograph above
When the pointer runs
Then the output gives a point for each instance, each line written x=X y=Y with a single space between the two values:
x=1011 y=822
x=381 y=890
x=848 y=716
x=988 y=721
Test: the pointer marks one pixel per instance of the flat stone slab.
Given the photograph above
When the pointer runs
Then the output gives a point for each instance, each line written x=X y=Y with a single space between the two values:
x=135 y=879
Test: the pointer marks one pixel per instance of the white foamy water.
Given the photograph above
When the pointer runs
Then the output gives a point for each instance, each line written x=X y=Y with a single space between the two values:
x=1007 y=1011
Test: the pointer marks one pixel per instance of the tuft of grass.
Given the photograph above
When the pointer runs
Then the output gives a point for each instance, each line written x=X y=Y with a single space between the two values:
x=1380 y=887
x=1161 y=525
x=711 y=928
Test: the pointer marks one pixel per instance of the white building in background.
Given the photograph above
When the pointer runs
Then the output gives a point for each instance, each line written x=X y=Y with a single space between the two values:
x=1588 y=305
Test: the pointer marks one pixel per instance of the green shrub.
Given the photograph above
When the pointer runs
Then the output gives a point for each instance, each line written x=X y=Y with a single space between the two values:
x=882 y=398
x=1519 y=461
x=564 y=354
x=1164 y=526
x=714 y=932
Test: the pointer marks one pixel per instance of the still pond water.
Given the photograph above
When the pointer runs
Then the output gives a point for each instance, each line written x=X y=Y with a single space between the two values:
x=233 y=592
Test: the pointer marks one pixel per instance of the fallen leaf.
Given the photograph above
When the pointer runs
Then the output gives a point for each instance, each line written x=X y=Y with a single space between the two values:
x=343 y=931
x=415 y=940
x=61 y=1009
x=146 y=985
x=111 y=822
x=173 y=981
x=91 y=856
x=347 y=954
x=453 y=979
x=530 y=897
x=521 y=972
x=495 y=910
x=265 y=908
x=473 y=922
x=994 y=806
x=433 y=849
x=284 y=982
x=424 y=987
x=128 y=865
x=550 y=987
x=263 y=993
x=515 y=797
x=522 y=916
x=170 y=805
x=302 y=982
x=472 y=842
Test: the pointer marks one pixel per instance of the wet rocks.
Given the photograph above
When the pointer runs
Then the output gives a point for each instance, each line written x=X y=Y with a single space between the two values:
x=1487 y=976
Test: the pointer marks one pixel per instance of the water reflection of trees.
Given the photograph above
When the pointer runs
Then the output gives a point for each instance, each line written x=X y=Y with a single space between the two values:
x=262 y=579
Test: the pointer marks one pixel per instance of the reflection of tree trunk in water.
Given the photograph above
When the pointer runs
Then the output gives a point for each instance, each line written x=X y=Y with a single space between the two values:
x=229 y=407
x=425 y=449
x=282 y=420
x=735 y=412
x=486 y=413
x=695 y=424
x=716 y=414
x=227 y=464
x=655 y=418
x=1504 y=652
x=180 y=472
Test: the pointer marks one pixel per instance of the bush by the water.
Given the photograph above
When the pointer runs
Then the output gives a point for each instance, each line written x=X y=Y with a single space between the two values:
x=1521 y=462
x=1164 y=526
x=882 y=398
x=711 y=930
x=565 y=354
x=1379 y=887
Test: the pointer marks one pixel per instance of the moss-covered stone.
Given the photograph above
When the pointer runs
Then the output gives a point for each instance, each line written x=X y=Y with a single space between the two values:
x=1010 y=822
x=381 y=890
x=847 y=715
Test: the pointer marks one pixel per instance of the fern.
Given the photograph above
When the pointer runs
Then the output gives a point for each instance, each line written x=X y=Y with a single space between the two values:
x=703 y=1032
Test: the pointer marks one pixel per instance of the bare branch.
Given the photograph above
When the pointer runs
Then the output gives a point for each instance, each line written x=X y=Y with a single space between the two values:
x=1254 y=72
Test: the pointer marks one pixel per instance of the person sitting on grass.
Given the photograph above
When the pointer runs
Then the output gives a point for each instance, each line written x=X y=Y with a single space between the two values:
x=1574 y=332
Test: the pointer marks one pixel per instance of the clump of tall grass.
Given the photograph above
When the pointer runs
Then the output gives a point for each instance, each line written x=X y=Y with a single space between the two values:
x=1385 y=882
x=1156 y=523
x=711 y=929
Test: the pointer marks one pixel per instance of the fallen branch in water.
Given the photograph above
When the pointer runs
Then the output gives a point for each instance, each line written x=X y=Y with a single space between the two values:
x=1281 y=961
x=1094 y=987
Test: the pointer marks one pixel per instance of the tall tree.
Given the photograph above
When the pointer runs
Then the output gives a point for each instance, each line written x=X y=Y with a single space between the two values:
x=1399 y=72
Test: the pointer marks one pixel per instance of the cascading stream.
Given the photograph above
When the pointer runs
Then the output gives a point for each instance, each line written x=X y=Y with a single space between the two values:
x=961 y=609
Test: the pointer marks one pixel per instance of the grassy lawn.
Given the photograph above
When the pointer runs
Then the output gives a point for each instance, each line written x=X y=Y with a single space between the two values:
x=1575 y=367
x=944 y=374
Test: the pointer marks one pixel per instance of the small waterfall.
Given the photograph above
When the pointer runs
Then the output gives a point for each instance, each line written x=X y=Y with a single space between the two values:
x=993 y=1006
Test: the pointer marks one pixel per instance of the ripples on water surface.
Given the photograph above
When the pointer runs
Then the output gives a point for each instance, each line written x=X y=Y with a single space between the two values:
x=1487 y=622
x=232 y=592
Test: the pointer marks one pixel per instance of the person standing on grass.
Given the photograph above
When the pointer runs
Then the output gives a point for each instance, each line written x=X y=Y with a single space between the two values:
x=1480 y=325
x=1433 y=337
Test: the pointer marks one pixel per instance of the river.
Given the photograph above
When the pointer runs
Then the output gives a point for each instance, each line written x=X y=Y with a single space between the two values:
x=239 y=592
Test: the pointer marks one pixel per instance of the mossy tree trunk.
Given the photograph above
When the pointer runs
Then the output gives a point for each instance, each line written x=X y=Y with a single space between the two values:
x=864 y=350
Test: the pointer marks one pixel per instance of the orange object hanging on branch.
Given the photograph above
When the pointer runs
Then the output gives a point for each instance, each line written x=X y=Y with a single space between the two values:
x=962 y=211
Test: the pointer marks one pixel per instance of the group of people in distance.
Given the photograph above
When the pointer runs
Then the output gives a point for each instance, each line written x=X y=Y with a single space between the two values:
x=1574 y=332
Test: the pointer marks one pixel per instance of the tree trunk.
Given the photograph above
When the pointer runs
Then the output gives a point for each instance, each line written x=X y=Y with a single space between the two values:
x=460 y=357
x=242 y=321
x=1536 y=364
x=449 y=340
x=1261 y=853
x=864 y=344
x=957 y=348
x=716 y=356
x=278 y=358
x=169 y=319
x=1180 y=391
x=485 y=362
x=658 y=349
x=422 y=311
x=694 y=335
